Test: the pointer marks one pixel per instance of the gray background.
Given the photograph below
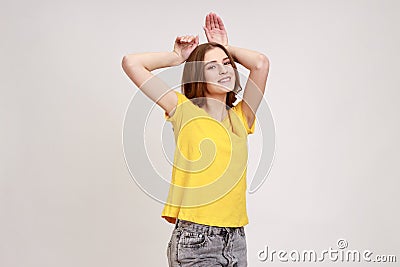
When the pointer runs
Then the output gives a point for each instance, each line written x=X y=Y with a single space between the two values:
x=66 y=195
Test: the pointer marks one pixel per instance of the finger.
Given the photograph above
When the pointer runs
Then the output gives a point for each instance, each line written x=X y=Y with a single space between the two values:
x=220 y=23
x=195 y=42
x=189 y=38
x=206 y=33
x=216 y=17
x=181 y=40
x=208 y=21
x=213 y=21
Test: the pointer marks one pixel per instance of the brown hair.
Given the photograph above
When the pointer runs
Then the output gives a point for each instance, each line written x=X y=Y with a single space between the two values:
x=193 y=80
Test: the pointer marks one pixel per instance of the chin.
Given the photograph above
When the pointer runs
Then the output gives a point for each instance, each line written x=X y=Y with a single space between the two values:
x=225 y=89
x=220 y=89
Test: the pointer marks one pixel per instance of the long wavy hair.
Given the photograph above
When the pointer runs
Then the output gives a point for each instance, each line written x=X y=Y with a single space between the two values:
x=194 y=84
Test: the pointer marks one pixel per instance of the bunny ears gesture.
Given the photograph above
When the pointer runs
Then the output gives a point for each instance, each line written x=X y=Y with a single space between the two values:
x=214 y=30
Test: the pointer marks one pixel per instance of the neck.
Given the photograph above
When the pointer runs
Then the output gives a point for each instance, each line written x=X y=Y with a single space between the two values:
x=216 y=105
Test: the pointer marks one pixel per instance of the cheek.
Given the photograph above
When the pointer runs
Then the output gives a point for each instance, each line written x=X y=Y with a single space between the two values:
x=209 y=76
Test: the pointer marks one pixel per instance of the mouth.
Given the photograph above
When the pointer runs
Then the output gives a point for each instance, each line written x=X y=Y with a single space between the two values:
x=225 y=80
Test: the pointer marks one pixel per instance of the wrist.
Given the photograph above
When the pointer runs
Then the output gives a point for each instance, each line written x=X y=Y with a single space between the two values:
x=177 y=58
x=230 y=49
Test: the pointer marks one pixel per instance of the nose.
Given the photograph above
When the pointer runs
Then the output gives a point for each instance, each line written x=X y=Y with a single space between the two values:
x=222 y=69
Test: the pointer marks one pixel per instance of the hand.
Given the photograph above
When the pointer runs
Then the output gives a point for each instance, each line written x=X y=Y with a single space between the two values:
x=184 y=46
x=215 y=30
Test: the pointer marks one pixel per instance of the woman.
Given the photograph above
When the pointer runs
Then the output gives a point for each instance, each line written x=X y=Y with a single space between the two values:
x=207 y=197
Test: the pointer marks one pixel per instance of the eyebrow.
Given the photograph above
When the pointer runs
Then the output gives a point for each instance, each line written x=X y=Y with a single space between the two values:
x=214 y=61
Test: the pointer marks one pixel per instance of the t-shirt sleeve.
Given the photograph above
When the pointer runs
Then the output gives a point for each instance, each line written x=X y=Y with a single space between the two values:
x=176 y=118
x=250 y=130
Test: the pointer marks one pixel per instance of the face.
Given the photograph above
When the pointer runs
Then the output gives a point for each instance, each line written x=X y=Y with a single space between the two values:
x=218 y=71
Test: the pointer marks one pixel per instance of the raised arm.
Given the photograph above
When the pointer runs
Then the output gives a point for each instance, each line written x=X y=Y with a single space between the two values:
x=138 y=67
x=256 y=62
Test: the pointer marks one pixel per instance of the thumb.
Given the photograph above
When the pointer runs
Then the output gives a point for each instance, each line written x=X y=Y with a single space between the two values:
x=206 y=32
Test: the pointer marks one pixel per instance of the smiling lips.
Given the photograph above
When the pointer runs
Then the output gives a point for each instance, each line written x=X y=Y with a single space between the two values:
x=226 y=79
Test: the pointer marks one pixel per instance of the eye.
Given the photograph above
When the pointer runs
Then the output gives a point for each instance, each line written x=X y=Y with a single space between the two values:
x=212 y=66
x=228 y=62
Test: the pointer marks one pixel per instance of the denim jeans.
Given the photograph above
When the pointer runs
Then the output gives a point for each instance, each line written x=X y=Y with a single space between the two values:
x=194 y=244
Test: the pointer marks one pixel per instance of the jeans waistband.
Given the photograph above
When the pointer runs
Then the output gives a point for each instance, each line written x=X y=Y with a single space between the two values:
x=210 y=229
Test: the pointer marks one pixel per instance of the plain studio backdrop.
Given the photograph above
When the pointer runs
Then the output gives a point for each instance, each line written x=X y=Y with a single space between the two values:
x=67 y=197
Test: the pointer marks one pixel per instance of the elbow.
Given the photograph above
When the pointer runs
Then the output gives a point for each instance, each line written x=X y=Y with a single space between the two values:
x=262 y=62
x=127 y=61
x=130 y=61
x=130 y=64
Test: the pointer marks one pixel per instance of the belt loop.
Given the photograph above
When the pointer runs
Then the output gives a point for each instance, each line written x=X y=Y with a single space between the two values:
x=241 y=230
x=176 y=223
x=209 y=230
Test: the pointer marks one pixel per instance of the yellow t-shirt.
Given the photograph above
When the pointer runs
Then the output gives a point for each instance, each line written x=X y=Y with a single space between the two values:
x=208 y=184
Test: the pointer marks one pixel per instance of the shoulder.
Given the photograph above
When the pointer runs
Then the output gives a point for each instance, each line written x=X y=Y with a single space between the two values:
x=179 y=100
x=181 y=97
x=238 y=109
